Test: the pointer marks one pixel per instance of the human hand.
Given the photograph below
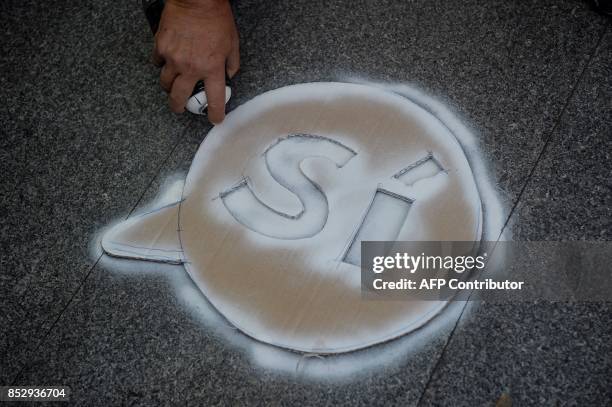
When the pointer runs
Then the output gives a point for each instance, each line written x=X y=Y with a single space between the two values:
x=197 y=40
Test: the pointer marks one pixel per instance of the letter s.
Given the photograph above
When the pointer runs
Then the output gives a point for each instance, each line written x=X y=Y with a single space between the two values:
x=283 y=160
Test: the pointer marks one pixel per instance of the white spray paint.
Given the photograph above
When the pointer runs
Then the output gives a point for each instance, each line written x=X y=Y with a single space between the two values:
x=345 y=365
x=495 y=212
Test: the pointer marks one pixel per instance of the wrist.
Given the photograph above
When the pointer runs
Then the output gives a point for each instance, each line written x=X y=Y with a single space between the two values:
x=198 y=4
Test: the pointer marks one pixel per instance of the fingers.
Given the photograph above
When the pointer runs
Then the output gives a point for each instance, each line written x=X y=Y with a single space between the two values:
x=214 y=86
x=233 y=61
x=182 y=87
x=167 y=76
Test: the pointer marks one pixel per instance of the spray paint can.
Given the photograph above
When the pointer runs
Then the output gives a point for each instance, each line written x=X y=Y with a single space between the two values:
x=197 y=103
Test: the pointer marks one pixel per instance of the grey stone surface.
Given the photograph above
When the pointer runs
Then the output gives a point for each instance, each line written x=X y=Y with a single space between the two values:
x=569 y=196
x=538 y=354
x=146 y=336
x=76 y=151
x=547 y=353
x=85 y=128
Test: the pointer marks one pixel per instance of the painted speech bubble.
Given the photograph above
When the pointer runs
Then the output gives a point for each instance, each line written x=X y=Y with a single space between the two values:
x=279 y=197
